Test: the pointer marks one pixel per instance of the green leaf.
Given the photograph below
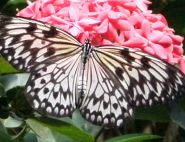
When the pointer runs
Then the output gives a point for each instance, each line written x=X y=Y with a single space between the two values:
x=2 y=91
x=6 y=67
x=43 y=127
x=30 y=137
x=83 y=124
x=58 y=137
x=4 y=137
x=9 y=7
x=12 y=123
x=157 y=113
x=134 y=138
x=174 y=13
x=13 y=80
x=43 y=133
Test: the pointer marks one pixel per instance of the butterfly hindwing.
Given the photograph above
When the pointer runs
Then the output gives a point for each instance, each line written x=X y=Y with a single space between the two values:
x=51 y=88
x=105 y=102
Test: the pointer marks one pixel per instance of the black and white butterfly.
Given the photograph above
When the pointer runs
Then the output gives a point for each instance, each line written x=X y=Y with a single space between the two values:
x=105 y=83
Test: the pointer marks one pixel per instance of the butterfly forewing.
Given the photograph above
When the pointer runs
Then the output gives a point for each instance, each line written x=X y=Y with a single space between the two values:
x=26 y=43
x=145 y=79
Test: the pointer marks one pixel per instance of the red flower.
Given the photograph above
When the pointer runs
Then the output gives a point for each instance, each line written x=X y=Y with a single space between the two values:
x=116 y=22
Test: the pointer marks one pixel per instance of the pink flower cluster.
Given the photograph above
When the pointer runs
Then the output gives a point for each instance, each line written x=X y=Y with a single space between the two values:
x=116 y=22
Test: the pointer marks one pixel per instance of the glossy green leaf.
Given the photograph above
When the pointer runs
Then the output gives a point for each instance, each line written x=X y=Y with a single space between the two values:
x=13 y=80
x=134 y=138
x=12 y=123
x=5 y=67
x=30 y=137
x=43 y=133
x=43 y=127
x=83 y=124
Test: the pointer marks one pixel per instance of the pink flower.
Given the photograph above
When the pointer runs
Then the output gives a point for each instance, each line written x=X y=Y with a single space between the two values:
x=115 y=22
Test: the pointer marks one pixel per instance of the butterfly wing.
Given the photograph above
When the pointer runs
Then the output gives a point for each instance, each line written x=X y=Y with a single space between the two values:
x=25 y=42
x=119 y=79
x=51 y=88
x=105 y=102
x=50 y=55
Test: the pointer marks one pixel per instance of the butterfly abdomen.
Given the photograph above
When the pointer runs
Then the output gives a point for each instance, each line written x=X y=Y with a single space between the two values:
x=81 y=89
x=82 y=80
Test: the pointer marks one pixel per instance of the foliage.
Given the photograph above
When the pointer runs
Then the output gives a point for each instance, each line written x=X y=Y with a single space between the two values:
x=19 y=123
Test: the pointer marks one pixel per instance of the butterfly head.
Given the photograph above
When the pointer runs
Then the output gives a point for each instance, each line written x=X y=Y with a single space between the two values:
x=87 y=41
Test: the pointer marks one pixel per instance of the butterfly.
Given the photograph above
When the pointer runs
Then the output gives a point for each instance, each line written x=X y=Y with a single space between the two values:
x=105 y=83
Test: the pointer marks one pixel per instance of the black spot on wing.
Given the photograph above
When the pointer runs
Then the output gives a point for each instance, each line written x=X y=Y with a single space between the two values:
x=55 y=95
x=145 y=62
x=31 y=28
x=32 y=84
x=65 y=94
x=15 y=40
x=126 y=55
x=42 y=81
x=46 y=90
x=50 y=51
x=27 y=43
x=36 y=90
x=105 y=105
x=51 y=33
x=119 y=73
x=44 y=69
x=37 y=75
x=95 y=101
x=115 y=105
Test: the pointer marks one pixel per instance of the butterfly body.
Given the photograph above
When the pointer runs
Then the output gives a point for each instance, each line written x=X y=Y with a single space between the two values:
x=87 y=47
x=105 y=83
